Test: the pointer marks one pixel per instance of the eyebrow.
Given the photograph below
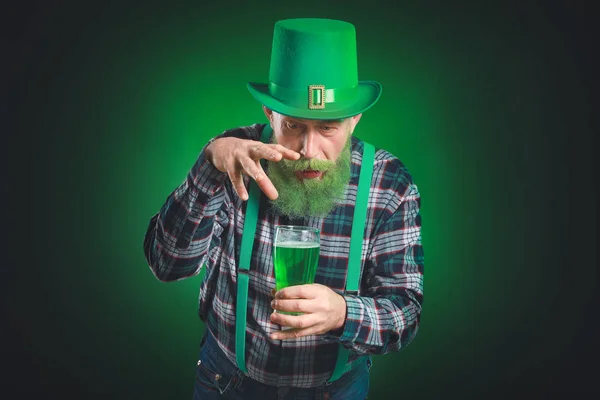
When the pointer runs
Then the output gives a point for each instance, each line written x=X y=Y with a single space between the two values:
x=321 y=121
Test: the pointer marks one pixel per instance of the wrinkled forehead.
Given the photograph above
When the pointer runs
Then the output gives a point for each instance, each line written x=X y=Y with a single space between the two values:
x=305 y=121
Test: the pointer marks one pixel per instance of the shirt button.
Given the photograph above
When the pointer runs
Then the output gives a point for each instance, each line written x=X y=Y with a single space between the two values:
x=217 y=377
x=199 y=362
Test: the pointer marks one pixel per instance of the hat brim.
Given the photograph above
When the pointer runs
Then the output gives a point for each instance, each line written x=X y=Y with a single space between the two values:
x=368 y=94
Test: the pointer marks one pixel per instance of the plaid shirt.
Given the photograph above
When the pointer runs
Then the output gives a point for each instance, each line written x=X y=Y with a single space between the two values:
x=201 y=223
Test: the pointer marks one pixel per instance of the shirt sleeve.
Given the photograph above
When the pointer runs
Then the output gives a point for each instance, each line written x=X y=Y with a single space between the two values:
x=179 y=234
x=385 y=316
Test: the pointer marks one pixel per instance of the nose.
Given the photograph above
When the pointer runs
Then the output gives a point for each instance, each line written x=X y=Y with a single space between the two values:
x=309 y=145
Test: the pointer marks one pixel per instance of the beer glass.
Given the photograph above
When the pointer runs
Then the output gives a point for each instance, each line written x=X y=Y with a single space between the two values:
x=295 y=255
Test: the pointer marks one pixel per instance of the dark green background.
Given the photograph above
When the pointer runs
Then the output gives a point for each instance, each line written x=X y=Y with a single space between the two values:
x=487 y=104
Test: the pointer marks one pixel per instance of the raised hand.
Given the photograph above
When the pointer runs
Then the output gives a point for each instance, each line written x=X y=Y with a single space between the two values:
x=238 y=157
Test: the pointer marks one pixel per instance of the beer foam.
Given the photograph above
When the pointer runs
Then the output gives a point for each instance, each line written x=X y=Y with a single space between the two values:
x=297 y=245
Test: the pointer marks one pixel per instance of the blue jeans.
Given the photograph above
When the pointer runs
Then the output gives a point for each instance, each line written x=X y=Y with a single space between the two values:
x=217 y=379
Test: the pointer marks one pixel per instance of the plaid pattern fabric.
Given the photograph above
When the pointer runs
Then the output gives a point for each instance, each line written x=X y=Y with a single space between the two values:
x=201 y=223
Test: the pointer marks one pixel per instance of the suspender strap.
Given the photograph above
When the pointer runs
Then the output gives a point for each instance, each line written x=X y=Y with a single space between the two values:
x=245 y=255
x=356 y=240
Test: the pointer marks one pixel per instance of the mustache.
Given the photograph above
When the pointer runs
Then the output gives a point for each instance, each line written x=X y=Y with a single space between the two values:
x=306 y=164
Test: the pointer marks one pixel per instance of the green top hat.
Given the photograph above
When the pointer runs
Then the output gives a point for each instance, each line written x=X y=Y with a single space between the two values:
x=313 y=72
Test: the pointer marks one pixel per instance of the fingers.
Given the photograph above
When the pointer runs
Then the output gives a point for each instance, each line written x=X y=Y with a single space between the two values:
x=272 y=152
x=237 y=180
x=303 y=325
x=258 y=151
x=295 y=305
x=284 y=152
x=308 y=291
x=255 y=171
x=264 y=184
x=295 y=321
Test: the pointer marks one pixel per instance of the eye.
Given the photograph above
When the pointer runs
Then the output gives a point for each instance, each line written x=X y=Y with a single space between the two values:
x=328 y=129
x=291 y=125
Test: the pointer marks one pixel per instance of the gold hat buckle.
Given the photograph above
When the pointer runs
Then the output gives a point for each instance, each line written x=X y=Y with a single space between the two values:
x=316 y=97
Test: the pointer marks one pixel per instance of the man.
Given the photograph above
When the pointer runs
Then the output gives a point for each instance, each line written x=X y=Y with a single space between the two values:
x=308 y=174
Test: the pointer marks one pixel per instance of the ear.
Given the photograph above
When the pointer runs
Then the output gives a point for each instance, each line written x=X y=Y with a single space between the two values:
x=268 y=113
x=354 y=121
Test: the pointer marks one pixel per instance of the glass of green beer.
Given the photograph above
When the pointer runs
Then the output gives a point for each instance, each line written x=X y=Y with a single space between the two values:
x=295 y=255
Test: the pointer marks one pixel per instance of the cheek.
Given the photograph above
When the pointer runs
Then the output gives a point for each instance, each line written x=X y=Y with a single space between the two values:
x=287 y=142
x=334 y=149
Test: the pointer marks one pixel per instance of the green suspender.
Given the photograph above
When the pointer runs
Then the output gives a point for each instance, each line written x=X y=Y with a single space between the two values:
x=354 y=259
x=241 y=306
x=356 y=240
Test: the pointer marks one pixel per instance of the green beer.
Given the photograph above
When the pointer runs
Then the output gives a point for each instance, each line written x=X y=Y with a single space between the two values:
x=295 y=256
x=295 y=263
